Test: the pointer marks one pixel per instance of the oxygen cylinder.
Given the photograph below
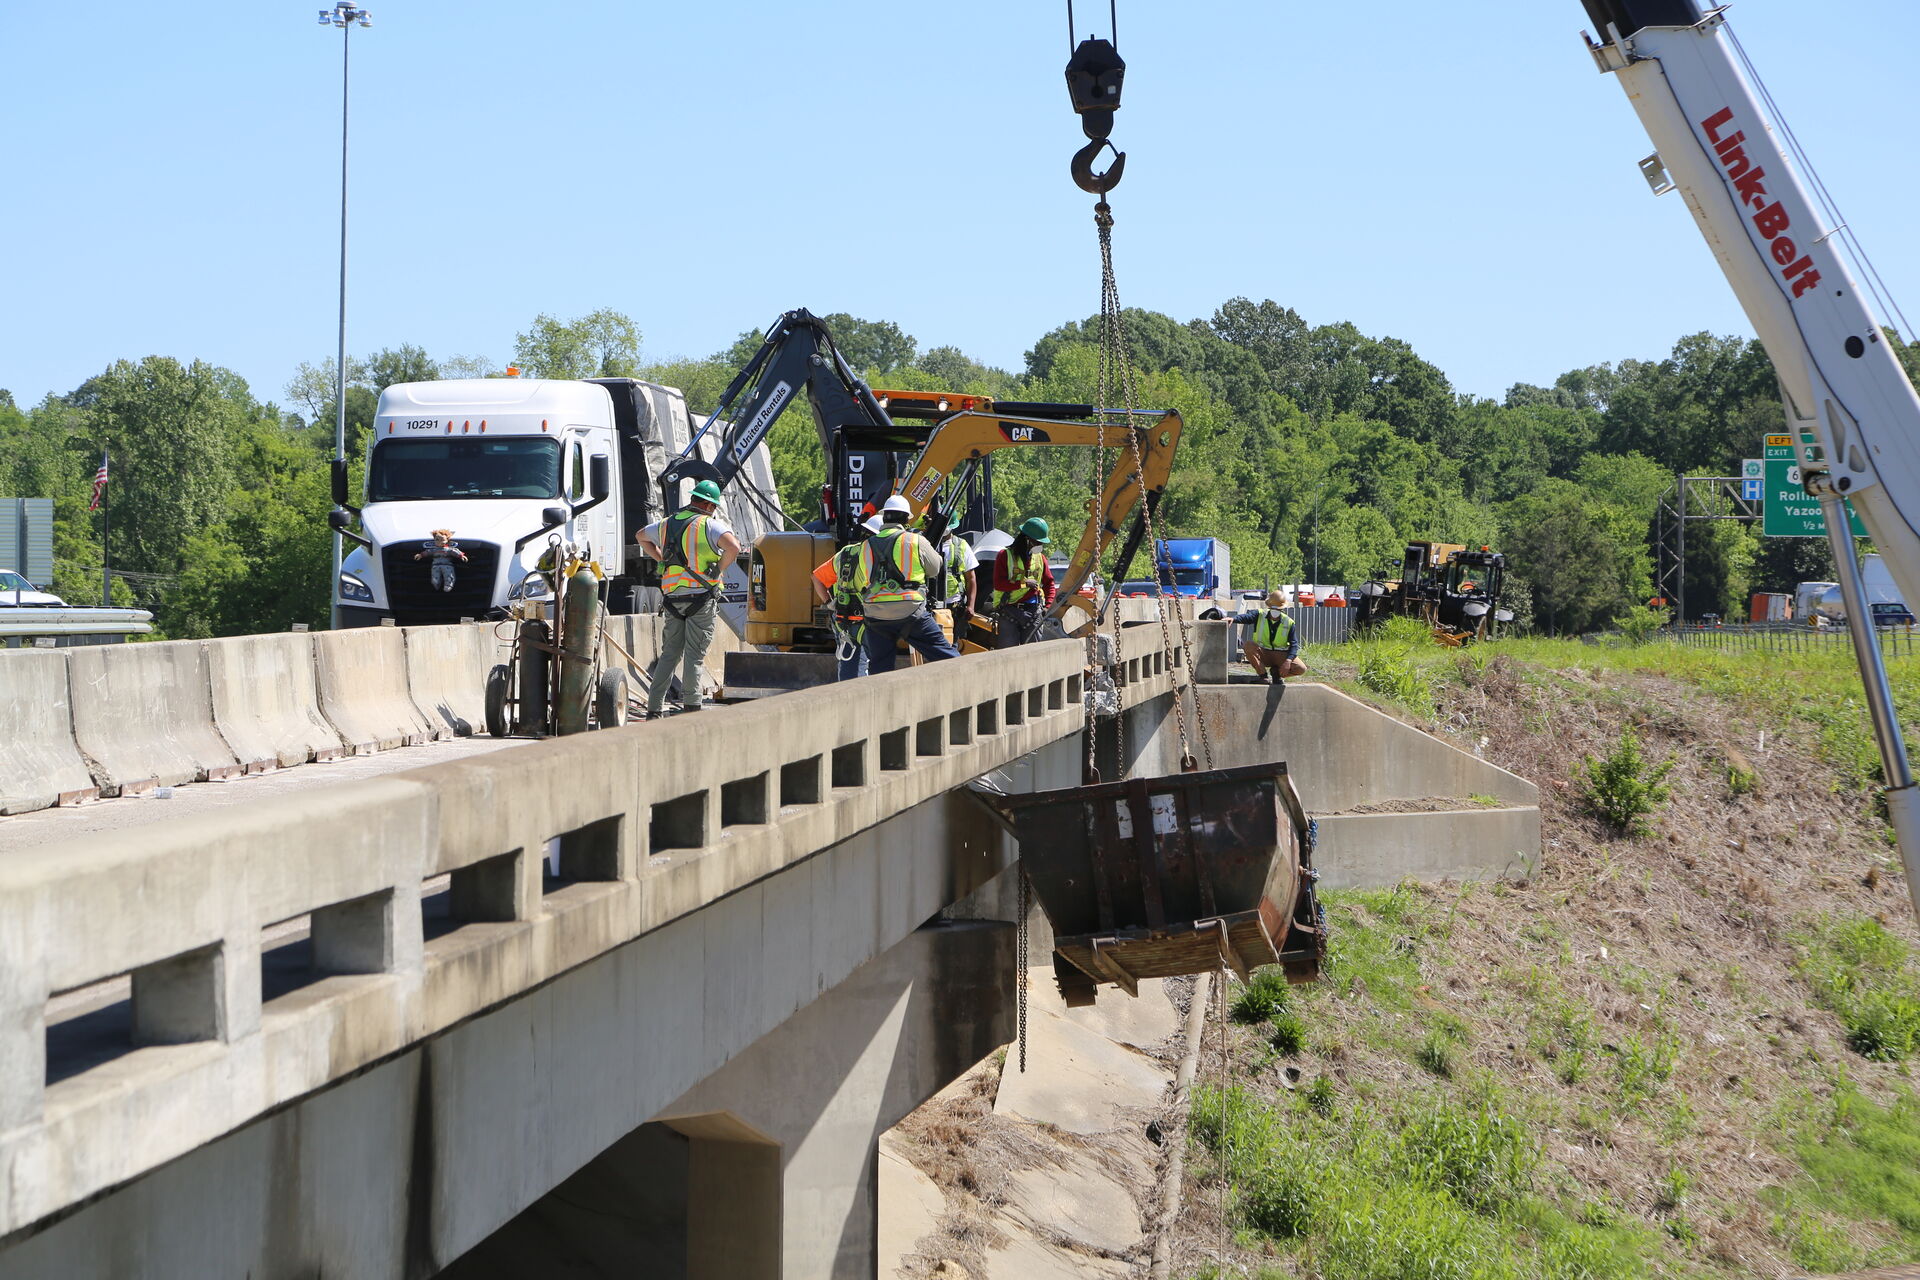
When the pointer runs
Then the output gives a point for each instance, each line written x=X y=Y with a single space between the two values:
x=579 y=629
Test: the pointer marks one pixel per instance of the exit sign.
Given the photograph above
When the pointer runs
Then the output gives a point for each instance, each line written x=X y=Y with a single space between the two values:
x=1789 y=511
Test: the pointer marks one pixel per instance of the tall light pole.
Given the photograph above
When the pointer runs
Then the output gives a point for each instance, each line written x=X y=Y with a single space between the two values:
x=344 y=16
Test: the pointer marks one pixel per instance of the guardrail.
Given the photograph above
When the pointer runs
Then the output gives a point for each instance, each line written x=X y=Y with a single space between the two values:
x=425 y=897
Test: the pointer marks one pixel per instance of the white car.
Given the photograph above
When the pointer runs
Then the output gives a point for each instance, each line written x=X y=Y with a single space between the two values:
x=16 y=590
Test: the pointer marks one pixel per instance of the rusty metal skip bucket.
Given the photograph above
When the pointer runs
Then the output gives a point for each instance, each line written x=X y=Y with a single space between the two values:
x=1153 y=877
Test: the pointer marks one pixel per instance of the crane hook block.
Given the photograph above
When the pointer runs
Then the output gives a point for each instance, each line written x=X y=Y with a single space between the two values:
x=1086 y=179
x=1094 y=75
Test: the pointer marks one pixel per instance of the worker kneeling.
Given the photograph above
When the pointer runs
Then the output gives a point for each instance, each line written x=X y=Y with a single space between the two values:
x=1273 y=647
x=891 y=577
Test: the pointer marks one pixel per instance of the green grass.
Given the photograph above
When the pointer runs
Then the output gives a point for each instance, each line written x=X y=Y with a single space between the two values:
x=1819 y=690
x=1861 y=1164
x=1382 y=959
x=1865 y=975
x=1446 y=1192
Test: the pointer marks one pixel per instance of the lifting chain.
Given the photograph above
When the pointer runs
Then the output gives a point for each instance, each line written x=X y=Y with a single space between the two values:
x=1026 y=908
x=1116 y=359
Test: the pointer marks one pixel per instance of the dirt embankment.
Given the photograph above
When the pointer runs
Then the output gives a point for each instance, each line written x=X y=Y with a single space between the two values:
x=1638 y=1002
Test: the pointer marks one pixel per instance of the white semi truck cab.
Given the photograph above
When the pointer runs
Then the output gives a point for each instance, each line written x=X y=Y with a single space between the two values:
x=503 y=463
x=508 y=464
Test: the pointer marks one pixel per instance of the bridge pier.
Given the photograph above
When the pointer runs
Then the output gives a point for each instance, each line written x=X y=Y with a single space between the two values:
x=767 y=1168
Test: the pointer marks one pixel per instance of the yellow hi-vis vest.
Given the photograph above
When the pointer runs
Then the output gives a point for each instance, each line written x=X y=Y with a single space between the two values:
x=1270 y=632
x=891 y=570
x=1026 y=584
x=692 y=559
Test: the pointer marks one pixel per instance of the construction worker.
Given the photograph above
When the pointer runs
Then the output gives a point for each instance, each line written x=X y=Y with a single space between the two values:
x=1273 y=647
x=958 y=566
x=694 y=550
x=892 y=576
x=1022 y=584
x=833 y=587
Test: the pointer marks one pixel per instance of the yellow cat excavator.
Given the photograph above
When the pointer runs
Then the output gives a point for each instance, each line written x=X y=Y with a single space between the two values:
x=967 y=430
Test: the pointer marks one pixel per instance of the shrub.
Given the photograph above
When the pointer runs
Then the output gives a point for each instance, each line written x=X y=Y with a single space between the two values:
x=1623 y=788
x=1319 y=1095
x=1638 y=624
x=1671 y=1191
x=1263 y=996
x=1386 y=663
x=1642 y=1067
x=1884 y=1025
x=1278 y=1199
x=1234 y=1125
x=1289 y=1032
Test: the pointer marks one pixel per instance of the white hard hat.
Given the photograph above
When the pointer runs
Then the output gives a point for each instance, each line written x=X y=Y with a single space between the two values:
x=897 y=503
x=872 y=524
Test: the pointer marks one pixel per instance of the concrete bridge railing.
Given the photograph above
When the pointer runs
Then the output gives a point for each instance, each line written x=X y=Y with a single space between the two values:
x=417 y=900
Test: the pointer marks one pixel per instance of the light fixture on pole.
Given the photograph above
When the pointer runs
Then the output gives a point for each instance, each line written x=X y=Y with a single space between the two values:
x=344 y=16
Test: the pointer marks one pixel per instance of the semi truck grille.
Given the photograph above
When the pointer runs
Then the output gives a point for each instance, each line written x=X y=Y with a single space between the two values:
x=410 y=593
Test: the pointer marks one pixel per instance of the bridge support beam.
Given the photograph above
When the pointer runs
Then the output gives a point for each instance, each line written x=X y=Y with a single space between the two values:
x=767 y=1168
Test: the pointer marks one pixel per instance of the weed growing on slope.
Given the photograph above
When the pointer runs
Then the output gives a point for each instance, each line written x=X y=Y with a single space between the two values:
x=1389 y=663
x=1863 y=973
x=1641 y=1066
x=1264 y=995
x=1623 y=788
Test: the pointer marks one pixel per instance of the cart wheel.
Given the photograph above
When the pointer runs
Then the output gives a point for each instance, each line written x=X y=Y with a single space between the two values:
x=499 y=681
x=610 y=699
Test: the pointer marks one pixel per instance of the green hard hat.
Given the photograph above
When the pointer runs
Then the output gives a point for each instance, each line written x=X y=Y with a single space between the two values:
x=707 y=491
x=1036 y=528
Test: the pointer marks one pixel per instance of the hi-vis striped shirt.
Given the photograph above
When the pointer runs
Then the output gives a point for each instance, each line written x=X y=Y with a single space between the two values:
x=912 y=559
x=698 y=551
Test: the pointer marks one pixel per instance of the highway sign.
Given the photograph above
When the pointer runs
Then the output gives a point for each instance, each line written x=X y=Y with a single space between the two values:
x=1753 y=490
x=1789 y=510
x=1753 y=468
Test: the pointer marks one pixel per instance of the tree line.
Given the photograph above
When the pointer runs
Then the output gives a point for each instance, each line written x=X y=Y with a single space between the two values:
x=1316 y=452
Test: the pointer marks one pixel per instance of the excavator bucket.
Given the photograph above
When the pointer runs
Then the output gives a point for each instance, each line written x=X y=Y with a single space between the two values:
x=1154 y=877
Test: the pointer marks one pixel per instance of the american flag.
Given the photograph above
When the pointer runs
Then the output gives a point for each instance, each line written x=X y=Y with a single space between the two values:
x=99 y=483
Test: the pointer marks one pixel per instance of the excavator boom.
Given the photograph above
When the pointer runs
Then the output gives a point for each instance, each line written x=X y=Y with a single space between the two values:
x=963 y=439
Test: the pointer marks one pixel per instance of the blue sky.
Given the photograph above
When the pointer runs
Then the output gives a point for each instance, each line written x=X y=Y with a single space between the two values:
x=1455 y=175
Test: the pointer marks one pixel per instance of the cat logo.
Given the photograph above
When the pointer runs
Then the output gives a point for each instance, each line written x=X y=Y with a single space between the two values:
x=1020 y=433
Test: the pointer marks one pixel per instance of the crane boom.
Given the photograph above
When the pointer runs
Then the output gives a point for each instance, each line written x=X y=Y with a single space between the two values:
x=1850 y=407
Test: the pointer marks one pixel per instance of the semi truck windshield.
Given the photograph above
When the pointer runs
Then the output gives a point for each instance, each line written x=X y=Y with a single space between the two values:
x=505 y=467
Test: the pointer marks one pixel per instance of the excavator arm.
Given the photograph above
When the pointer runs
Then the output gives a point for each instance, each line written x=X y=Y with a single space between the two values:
x=798 y=353
x=963 y=440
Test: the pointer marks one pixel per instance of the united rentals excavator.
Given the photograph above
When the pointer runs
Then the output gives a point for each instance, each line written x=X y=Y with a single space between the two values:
x=935 y=447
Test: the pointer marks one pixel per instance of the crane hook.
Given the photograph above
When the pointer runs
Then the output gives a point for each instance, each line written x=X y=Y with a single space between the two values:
x=1095 y=75
x=1086 y=179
